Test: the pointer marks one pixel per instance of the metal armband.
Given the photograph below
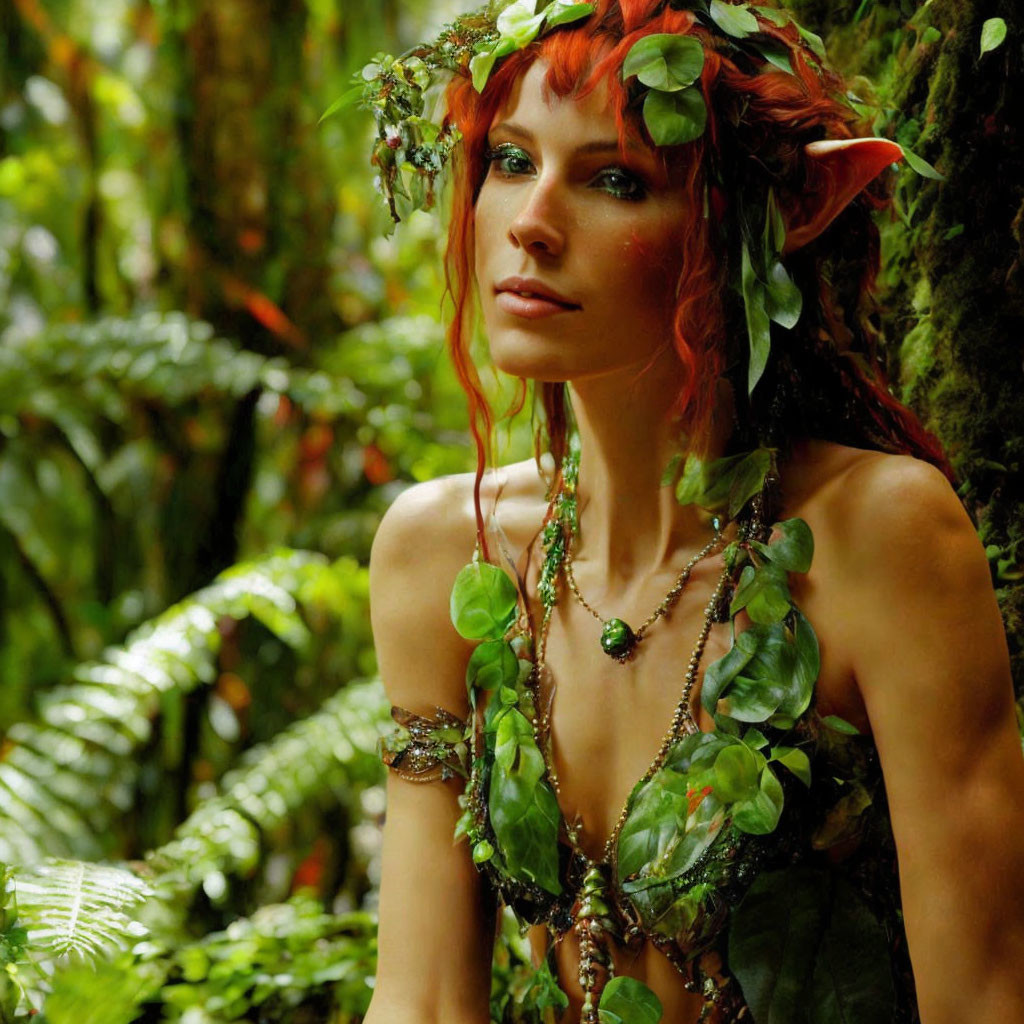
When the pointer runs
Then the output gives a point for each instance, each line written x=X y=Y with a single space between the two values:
x=426 y=749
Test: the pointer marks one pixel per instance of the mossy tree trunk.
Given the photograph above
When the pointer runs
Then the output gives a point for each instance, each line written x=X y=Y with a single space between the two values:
x=954 y=279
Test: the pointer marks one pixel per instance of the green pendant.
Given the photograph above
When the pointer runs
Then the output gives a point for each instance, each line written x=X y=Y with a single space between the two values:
x=617 y=639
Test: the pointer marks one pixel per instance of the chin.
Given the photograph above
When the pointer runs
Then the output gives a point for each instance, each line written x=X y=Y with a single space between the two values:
x=535 y=358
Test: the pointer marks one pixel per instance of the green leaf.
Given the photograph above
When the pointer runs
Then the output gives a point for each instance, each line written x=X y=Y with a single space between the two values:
x=921 y=166
x=480 y=67
x=993 y=32
x=74 y=908
x=736 y=776
x=763 y=592
x=483 y=602
x=766 y=680
x=755 y=739
x=795 y=760
x=719 y=674
x=813 y=40
x=783 y=300
x=931 y=35
x=519 y=23
x=492 y=664
x=563 y=12
x=776 y=17
x=516 y=749
x=758 y=324
x=806 y=670
x=725 y=484
x=733 y=19
x=852 y=979
x=773 y=936
x=523 y=810
x=793 y=549
x=482 y=63
x=774 y=54
x=628 y=1001
x=697 y=750
x=674 y=118
x=544 y=990
x=347 y=99
x=658 y=811
x=837 y=724
x=665 y=61
x=760 y=815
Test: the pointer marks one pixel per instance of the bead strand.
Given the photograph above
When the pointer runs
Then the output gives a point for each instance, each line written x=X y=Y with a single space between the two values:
x=664 y=606
x=682 y=718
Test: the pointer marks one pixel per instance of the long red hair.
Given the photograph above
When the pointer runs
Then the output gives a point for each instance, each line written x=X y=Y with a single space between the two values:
x=824 y=378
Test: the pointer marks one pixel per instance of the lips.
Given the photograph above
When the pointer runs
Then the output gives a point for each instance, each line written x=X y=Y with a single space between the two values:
x=529 y=298
x=531 y=288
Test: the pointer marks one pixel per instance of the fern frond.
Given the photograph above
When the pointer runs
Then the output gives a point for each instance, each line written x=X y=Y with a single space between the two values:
x=73 y=372
x=76 y=908
x=332 y=753
x=63 y=780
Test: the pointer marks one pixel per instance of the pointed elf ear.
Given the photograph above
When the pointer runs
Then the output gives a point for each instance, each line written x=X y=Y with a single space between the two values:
x=838 y=170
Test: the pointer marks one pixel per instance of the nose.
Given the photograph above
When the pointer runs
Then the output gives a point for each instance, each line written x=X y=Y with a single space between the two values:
x=538 y=225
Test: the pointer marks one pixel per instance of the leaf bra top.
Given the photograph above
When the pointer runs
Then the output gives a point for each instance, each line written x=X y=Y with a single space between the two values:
x=758 y=856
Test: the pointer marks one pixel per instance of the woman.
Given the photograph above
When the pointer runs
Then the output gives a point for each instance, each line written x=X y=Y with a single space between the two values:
x=705 y=825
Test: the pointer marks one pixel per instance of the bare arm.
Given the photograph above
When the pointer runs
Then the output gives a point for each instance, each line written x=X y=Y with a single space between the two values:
x=931 y=661
x=436 y=934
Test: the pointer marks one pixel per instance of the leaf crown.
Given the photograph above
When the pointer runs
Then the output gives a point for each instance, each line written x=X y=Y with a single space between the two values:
x=663 y=72
x=411 y=150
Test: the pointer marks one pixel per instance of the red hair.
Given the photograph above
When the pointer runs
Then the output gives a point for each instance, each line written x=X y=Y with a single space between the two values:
x=759 y=120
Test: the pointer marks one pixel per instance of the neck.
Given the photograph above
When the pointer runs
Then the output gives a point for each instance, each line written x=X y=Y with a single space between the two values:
x=630 y=524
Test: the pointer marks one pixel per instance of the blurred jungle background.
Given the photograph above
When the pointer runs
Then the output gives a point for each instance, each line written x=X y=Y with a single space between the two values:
x=216 y=372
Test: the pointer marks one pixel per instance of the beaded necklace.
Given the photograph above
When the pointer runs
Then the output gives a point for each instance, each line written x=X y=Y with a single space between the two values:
x=598 y=915
x=618 y=640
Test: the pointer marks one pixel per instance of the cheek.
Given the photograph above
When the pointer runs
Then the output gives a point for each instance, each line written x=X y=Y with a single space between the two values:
x=652 y=264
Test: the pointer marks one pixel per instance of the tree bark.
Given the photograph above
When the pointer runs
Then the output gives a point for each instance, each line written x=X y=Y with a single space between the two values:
x=955 y=274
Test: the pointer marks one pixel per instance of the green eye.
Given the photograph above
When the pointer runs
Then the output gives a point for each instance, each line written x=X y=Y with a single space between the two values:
x=508 y=159
x=621 y=184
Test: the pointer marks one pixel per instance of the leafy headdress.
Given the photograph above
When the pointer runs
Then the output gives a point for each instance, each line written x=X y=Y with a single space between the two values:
x=662 y=72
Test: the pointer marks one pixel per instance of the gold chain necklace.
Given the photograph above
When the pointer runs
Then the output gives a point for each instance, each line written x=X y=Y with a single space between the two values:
x=618 y=639
x=597 y=915
x=683 y=720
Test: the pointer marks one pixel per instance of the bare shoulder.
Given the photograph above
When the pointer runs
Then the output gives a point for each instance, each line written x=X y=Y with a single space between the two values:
x=433 y=522
x=866 y=505
x=426 y=536
x=900 y=515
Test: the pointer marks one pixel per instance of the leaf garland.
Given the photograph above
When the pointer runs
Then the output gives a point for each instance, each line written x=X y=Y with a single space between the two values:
x=522 y=807
x=727 y=780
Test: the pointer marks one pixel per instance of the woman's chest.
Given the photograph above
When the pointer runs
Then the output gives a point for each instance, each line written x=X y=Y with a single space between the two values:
x=609 y=721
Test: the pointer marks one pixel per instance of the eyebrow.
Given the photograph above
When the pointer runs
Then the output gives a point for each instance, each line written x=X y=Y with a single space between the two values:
x=597 y=146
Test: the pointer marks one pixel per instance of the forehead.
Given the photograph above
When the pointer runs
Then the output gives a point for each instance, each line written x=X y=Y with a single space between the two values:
x=531 y=103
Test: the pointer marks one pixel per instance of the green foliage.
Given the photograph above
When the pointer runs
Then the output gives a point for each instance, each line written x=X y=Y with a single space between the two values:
x=726 y=484
x=68 y=777
x=806 y=947
x=523 y=810
x=72 y=908
x=331 y=755
x=628 y=1001
x=282 y=957
x=993 y=33
x=483 y=602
